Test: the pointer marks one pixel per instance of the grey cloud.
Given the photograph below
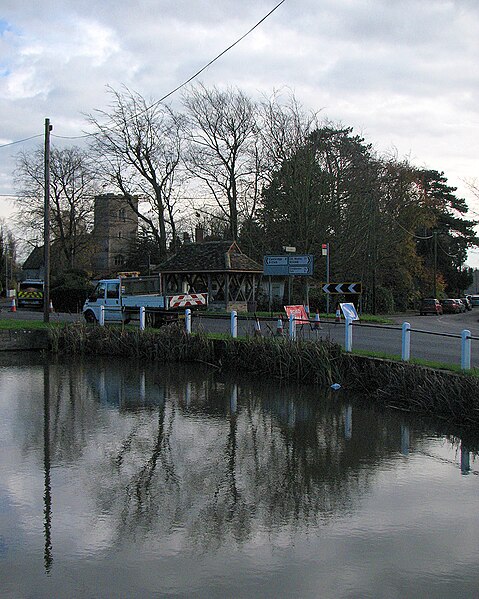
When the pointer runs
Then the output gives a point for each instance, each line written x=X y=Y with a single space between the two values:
x=399 y=69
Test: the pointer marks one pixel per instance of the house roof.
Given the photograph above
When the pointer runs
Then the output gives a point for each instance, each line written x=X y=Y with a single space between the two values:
x=34 y=260
x=209 y=256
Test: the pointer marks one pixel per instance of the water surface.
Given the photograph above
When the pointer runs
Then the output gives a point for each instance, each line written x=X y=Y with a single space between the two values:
x=120 y=479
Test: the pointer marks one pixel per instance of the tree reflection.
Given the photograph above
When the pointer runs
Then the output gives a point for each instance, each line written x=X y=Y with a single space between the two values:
x=208 y=459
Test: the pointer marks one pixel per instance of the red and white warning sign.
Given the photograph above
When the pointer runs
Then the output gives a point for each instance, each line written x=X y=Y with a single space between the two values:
x=299 y=313
x=188 y=299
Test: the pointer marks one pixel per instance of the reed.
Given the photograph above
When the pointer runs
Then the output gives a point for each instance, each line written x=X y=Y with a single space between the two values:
x=453 y=398
x=170 y=343
x=306 y=361
x=439 y=394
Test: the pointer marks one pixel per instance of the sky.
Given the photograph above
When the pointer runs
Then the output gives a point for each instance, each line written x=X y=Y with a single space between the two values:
x=402 y=73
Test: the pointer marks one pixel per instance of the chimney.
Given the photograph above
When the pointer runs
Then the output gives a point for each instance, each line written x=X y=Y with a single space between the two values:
x=199 y=234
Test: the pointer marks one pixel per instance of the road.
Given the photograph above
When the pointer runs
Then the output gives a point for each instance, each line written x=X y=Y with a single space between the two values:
x=428 y=336
x=427 y=340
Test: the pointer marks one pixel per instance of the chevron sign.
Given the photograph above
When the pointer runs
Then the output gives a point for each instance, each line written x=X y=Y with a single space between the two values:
x=342 y=287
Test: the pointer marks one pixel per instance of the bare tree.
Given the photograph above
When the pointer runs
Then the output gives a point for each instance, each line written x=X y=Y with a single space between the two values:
x=72 y=188
x=223 y=149
x=285 y=128
x=138 y=147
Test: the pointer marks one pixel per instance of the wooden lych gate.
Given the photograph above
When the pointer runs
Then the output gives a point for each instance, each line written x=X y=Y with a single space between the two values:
x=219 y=268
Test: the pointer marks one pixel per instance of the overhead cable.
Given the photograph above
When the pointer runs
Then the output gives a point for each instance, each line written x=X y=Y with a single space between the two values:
x=162 y=99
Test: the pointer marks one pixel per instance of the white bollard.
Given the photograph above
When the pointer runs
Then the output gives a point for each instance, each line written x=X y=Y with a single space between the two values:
x=142 y=318
x=234 y=324
x=348 y=335
x=102 y=316
x=466 y=350
x=292 y=327
x=279 y=327
x=188 y=321
x=406 y=342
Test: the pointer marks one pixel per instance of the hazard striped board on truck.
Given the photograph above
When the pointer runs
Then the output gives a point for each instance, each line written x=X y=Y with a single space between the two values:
x=31 y=294
x=188 y=299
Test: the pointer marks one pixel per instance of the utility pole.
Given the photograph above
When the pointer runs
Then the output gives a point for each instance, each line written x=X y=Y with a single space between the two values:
x=5 y=259
x=46 y=224
x=325 y=252
x=434 y=292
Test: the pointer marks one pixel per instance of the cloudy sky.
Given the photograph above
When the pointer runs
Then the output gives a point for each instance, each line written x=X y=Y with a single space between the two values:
x=403 y=73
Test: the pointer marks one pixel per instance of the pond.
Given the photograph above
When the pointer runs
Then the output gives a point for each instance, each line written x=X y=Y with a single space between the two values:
x=120 y=479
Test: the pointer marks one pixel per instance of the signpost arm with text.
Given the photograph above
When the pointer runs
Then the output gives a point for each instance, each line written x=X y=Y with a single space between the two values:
x=289 y=266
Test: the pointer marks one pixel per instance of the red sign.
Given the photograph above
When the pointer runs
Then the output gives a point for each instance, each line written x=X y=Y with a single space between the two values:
x=188 y=299
x=299 y=313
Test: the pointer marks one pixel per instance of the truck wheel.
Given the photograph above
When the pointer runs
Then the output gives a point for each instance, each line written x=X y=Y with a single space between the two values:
x=89 y=317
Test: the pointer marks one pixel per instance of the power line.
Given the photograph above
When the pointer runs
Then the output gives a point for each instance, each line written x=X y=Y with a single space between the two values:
x=19 y=141
x=240 y=39
x=413 y=234
x=447 y=253
x=162 y=99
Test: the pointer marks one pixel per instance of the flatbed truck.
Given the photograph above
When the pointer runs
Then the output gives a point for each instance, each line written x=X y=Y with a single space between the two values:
x=122 y=298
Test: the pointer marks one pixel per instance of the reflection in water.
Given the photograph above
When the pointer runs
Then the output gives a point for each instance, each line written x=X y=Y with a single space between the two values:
x=404 y=439
x=47 y=496
x=348 y=421
x=162 y=461
x=465 y=460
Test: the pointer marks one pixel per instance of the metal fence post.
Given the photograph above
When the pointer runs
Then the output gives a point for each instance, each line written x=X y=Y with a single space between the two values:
x=234 y=324
x=406 y=342
x=188 y=321
x=348 y=335
x=142 y=318
x=466 y=349
x=102 y=316
x=292 y=327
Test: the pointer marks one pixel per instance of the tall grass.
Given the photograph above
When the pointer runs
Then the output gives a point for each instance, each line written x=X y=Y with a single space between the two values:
x=412 y=388
x=169 y=343
x=302 y=360
x=454 y=398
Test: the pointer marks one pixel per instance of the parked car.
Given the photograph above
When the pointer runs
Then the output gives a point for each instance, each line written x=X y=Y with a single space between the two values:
x=475 y=300
x=430 y=305
x=462 y=306
x=450 y=306
x=467 y=302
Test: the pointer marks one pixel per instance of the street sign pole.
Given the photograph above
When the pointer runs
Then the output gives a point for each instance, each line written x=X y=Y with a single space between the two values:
x=270 y=295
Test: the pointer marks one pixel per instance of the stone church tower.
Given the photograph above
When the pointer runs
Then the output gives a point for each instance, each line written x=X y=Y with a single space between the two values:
x=115 y=229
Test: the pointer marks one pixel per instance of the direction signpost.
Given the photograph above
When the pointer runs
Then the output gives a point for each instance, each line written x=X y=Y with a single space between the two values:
x=289 y=266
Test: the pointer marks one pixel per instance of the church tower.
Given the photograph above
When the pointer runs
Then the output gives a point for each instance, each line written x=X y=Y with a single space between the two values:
x=114 y=232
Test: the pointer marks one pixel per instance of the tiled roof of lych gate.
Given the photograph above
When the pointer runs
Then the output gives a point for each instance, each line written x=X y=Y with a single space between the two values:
x=210 y=256
x=34 y=260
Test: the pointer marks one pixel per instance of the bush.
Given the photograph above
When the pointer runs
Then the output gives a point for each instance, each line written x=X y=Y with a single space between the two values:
x=70 y=290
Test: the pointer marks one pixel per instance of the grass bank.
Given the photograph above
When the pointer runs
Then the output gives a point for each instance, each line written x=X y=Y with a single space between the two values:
x=305 y=361
x=449 y=396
